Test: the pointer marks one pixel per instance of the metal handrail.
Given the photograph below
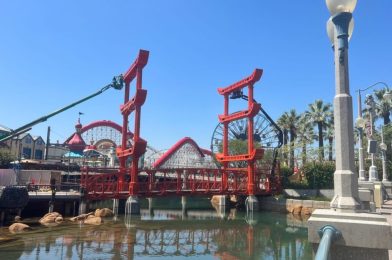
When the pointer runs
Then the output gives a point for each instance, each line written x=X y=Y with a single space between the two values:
x=328 y=235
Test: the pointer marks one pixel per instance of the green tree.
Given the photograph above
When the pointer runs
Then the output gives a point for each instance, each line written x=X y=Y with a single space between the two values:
x=318 y=113
x=283 y=123
x=292 y=119
x=383 y=106
x=5 y=158
x=305 y=136
x=330 y=135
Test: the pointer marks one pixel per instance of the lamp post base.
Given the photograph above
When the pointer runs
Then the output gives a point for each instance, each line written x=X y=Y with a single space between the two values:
x=373 y=173
x=362 y=176
x=345 y=204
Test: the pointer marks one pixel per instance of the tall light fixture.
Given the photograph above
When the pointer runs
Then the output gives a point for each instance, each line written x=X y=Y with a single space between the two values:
x=345 y=180
x=360 y=124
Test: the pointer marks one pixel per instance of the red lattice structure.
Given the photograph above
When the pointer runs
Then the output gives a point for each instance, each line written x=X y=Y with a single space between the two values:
x=253 y=153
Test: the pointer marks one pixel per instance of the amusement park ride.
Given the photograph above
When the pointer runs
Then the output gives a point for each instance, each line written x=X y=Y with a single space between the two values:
x=249 y=172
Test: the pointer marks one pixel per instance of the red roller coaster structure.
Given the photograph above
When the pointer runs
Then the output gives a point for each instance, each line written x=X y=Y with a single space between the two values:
x=129 y=180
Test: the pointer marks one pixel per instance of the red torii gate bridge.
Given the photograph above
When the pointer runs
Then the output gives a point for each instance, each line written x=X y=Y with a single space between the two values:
x=125 y=181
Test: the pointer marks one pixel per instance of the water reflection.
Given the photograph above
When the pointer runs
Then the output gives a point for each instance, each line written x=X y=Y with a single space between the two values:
x=165 y=233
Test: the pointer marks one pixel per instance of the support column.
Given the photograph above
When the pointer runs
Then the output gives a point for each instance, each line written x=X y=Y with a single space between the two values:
x=151 y=206
x=82 y=206
x=115 y=206
x=184 y=209
x=252 y=203
x=132 y=206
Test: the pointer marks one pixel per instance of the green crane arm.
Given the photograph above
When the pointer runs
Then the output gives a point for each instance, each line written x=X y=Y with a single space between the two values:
x=117 y=83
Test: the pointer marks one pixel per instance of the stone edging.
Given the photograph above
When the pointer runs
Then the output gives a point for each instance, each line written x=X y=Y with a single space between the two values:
x=294 y=206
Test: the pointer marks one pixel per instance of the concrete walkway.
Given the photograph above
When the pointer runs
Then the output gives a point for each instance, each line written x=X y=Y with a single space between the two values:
x=386 y=210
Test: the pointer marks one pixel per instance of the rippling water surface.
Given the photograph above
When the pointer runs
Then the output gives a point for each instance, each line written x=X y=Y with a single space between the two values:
x=166 y=234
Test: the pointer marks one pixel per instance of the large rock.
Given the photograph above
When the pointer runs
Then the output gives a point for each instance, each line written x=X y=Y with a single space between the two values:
x=53 y=217
x=306 y=211
x=93 y=220
x=297 y=209
x=105 y=212
x=81 y=217
x=18 y=227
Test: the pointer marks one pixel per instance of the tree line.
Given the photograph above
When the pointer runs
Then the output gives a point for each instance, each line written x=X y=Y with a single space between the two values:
x=304 y=133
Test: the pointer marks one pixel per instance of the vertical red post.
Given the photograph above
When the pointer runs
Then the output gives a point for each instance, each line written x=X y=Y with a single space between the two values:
x=251 y=174
x=138 y=146
x=225 y=144
x=124 y=139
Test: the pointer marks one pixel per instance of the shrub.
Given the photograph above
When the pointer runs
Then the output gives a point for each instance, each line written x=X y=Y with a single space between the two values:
x=5 y=159
x=285 y=172
x=319 y=175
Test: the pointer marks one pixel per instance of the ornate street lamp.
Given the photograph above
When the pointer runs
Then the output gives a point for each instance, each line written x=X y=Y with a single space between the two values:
x=345 y=214
x=360 y=124
x=345 y=180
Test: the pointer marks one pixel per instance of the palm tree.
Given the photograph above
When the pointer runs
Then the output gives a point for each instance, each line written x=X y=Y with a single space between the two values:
x=292 y=119
x=383 y=107
x=330 y=134
x=319 y=113
x=305 y=135
x=284 y=125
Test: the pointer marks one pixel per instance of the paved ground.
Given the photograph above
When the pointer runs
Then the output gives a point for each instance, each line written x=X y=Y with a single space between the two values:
x=386 y=210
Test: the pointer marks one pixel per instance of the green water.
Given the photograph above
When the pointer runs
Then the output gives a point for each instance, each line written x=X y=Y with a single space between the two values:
x=165 y=234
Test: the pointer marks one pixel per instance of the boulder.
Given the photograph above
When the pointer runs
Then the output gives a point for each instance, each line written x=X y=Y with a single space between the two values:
x=81 y=217
x=306 y=211
x=59 y=219
x=105 y=212
x=289 y=208
x=18 y=227
x=297 y=209
x=93 y=220
x=50 y=218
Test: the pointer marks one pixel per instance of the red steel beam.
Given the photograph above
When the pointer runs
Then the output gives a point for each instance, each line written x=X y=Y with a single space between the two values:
x=254 y=77
x=139 y=63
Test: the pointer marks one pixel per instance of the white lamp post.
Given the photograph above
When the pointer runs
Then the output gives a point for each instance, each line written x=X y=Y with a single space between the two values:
x=383 y=148
x=356 y=227
x=345 y=180
x=360 y=124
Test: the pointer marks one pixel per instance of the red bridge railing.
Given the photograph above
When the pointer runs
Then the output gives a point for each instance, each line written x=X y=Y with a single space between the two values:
x=103 y=183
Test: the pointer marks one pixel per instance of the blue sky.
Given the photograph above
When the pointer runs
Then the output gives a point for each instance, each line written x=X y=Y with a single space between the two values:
x=53 y=53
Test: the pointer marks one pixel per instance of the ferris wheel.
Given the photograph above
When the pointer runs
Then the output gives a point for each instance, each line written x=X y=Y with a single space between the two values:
x=266 y=135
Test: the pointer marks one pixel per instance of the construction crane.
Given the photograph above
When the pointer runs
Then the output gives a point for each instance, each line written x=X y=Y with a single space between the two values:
x=117 y=83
